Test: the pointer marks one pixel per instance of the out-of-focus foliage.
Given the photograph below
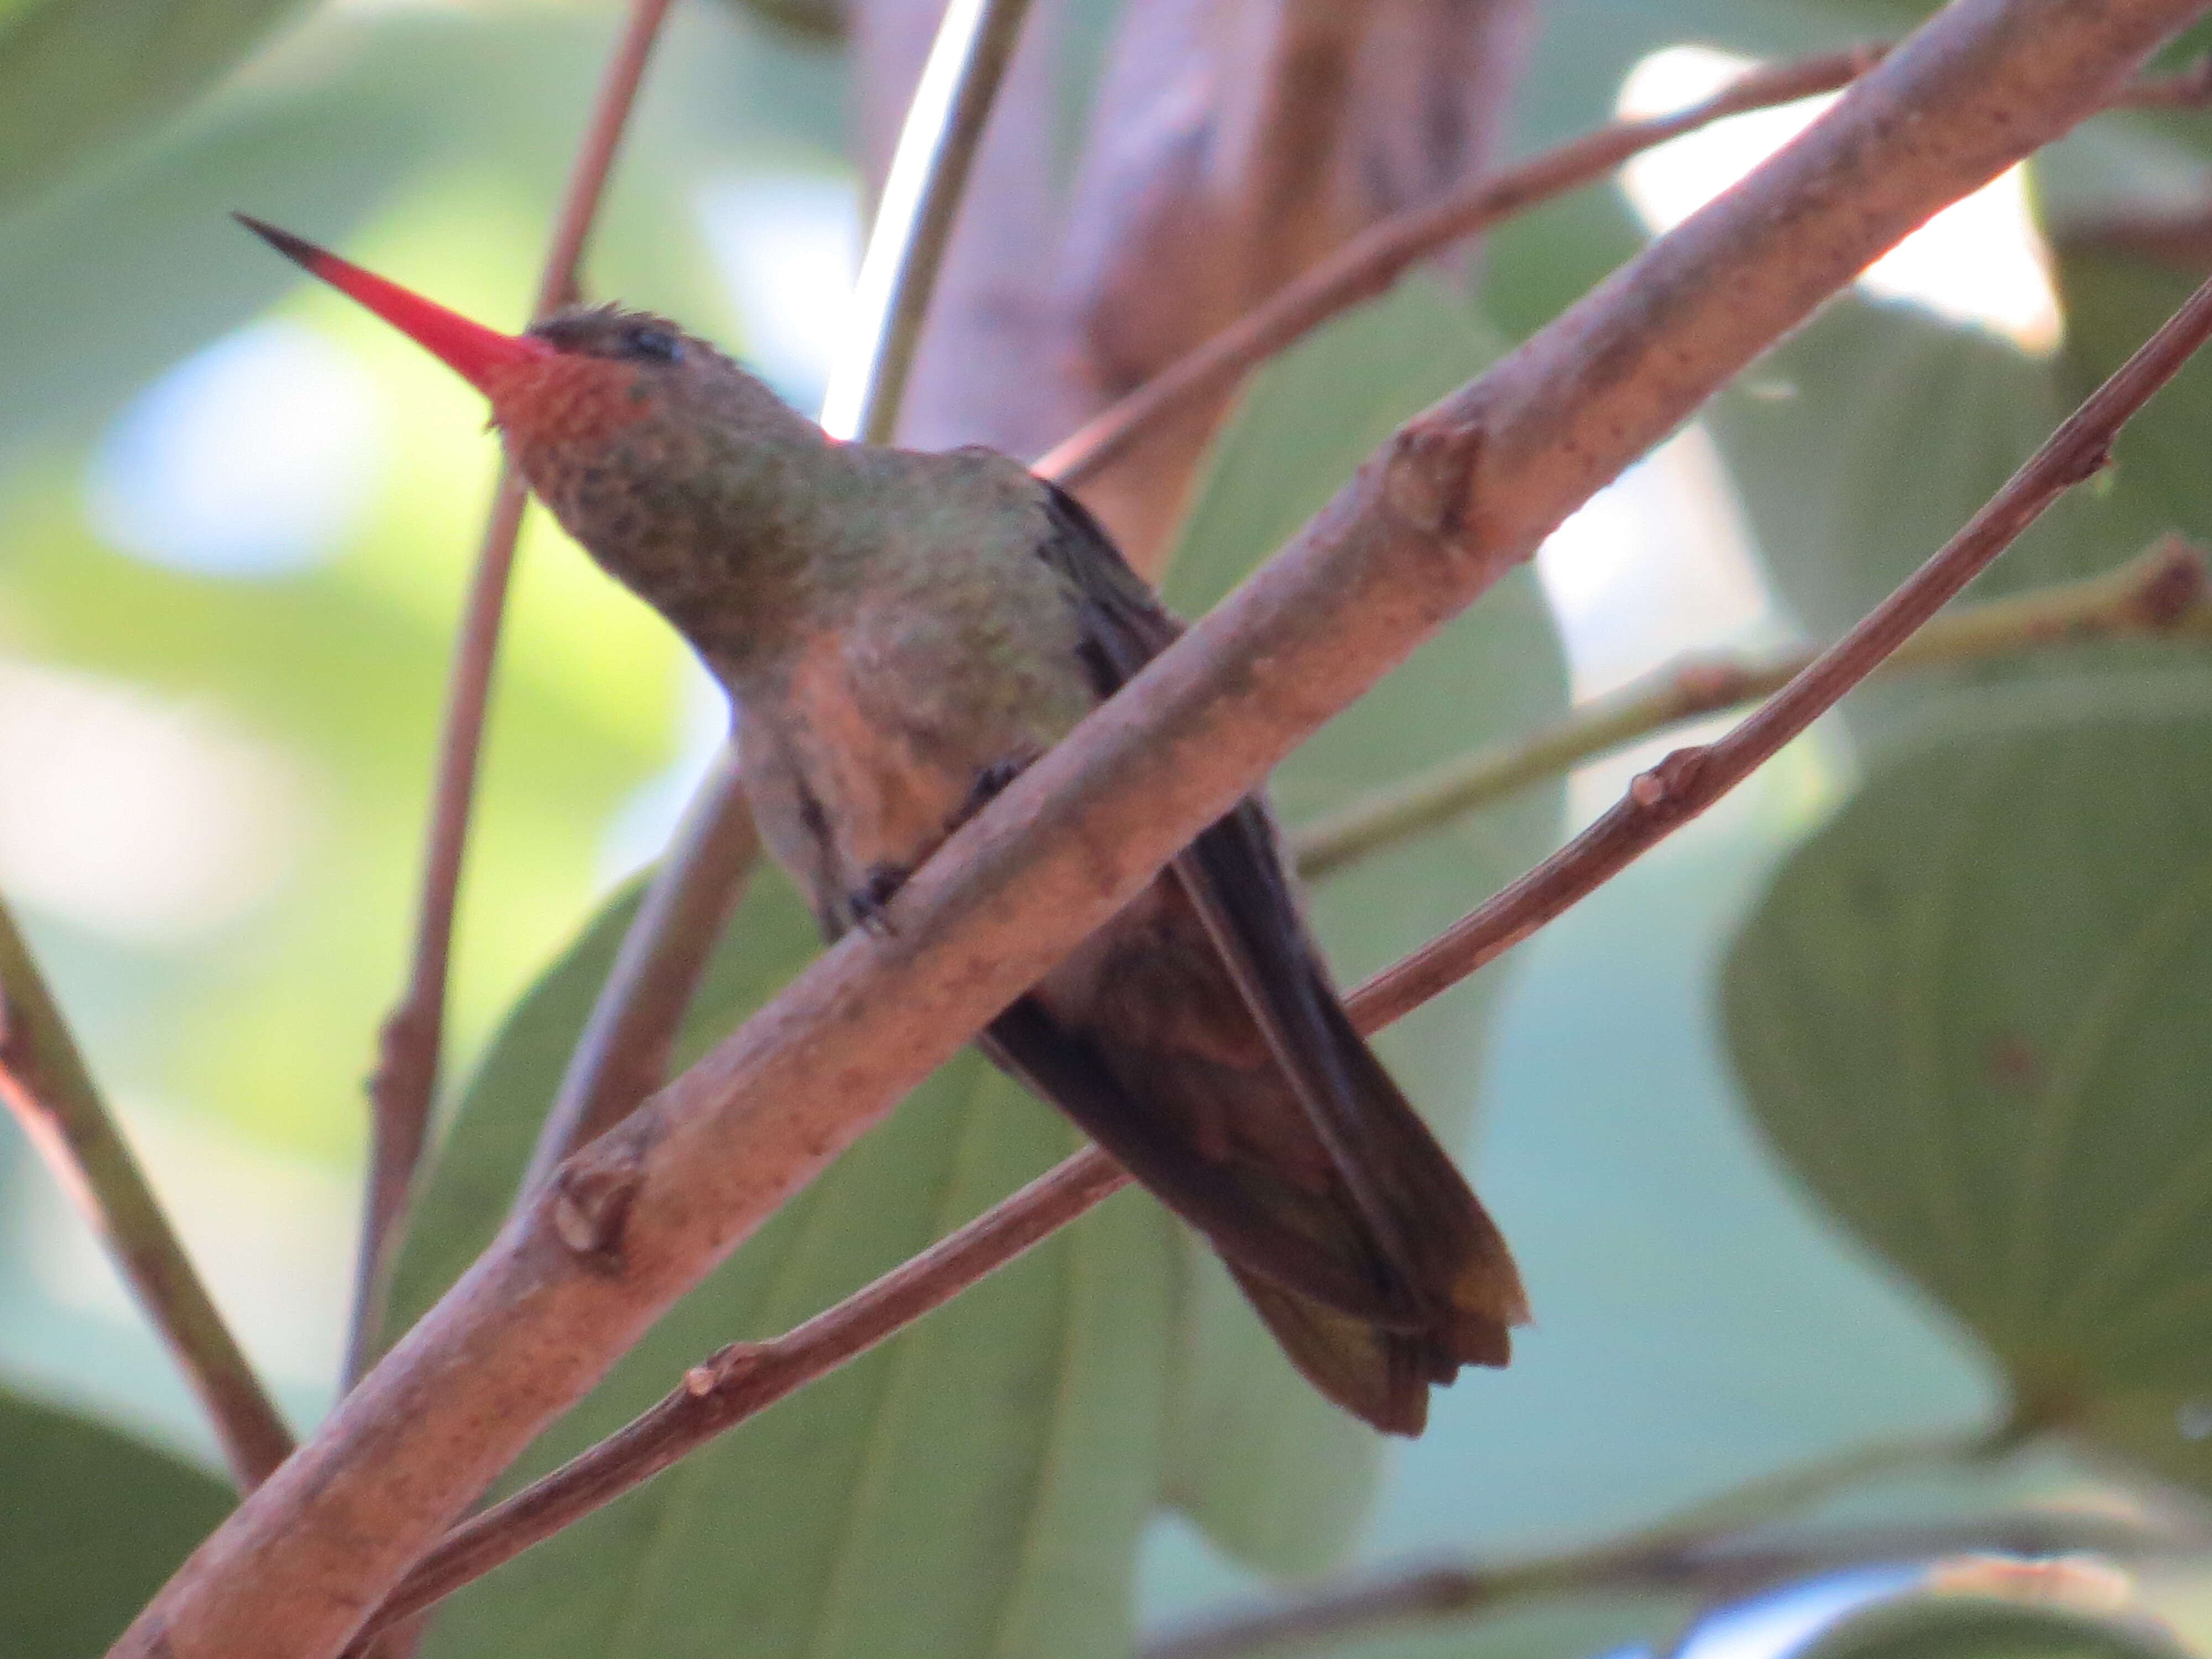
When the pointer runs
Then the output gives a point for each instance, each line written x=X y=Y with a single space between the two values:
x=1965 y=1014
x=78 y=76
x=92 y=1523
x=1964 y=1011
x=815 y=20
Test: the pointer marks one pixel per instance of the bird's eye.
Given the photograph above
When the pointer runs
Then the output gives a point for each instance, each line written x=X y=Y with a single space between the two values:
x=645 y=340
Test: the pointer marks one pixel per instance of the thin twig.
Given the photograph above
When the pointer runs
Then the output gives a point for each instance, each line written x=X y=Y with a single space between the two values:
x=746 y=1378
x=623 y=1054
x=43 y=1083
x=407 y=1079
x=2162 y=591
x=1687 y=781
x=1454 y=500
x=1671 y=1553
x=2159 y=587
x=922 y=199
x=1713 y=1571
x=1371 y=263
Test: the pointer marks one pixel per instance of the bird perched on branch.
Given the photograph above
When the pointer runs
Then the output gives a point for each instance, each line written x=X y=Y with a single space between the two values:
x=901 y=634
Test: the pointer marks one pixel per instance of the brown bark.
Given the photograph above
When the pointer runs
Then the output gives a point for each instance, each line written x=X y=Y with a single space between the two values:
x=1236 y=146
x=1449 y=504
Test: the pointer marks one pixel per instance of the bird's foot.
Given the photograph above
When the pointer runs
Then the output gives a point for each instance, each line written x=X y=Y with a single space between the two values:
x=870 y=901
x=990 y=783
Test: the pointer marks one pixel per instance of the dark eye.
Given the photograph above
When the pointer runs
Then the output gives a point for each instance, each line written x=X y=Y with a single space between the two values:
x=646 y=340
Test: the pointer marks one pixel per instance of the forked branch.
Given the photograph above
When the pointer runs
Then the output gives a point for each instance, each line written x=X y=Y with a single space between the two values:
x=746 y=1378
x=1453 y=502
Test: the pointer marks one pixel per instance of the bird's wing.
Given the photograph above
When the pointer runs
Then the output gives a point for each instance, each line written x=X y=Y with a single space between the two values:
x=1424 y=1222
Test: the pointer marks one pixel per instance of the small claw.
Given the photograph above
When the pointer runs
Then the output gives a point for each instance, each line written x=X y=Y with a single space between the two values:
x=870 y=901
x=990 y=783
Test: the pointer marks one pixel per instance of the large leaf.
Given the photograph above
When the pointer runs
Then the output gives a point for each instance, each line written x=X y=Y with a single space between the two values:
x=79 y=75
x=2115 y=300
x=94 y=1524
x=111 y=280
x=1969 y=1013
x=974 y=1486
x=1863 y=443
x=1270 y=1470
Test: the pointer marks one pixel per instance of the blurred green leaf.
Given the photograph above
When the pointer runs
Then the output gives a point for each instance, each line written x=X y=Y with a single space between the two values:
x=111 y=281
x=1968 y=1013
x=94 y=1523
x=1861 y=444
x=974 y=1486
x=78 y=76
x=1974 y=1626
x=1268 y=1468
x=2114 y=301
x=820 y=21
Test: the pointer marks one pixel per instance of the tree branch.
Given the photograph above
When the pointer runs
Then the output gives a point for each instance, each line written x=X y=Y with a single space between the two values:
x=623 y=1054
x=746 y=1378
x=1372 y=262
x=1713 y=1568
x=2161 y=592
x=1661 y=800
x=43 y=1083
x=1237 y=143
x=405 y=1084
x=921 y=200
x=1457 y=498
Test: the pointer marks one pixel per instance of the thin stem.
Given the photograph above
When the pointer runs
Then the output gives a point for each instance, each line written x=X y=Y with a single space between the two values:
x=43 y=1083
x=1711 y=1560
x=407 y=1079
x=2162 y=591
x=739 y=1380
x=1660 y=801
x=921 y=198
x=1682 y=786
x=1371 y=263
x=622 y=1055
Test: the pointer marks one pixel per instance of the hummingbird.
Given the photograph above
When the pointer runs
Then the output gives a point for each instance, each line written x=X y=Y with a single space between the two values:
x=900 y=633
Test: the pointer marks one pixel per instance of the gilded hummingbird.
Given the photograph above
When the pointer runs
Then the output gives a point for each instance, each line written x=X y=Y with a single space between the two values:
x=900 y=634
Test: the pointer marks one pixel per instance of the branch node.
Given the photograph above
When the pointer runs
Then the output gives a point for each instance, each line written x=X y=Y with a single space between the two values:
x=2174 y=584
x=590 y=1199
x=1428 y=478
x=1670 y=783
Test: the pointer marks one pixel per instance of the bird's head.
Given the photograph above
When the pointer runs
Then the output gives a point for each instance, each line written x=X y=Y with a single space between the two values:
x=651 y=446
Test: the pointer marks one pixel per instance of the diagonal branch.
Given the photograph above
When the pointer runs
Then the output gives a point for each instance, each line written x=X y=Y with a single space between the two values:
x=922 y=199
x=1454 y=501
x=2159 y=593
x=1370 y=263
x=1714 y=1569
x=746 y=1378
x=1682 y=786
x=405 y=1086
x=43 y=1083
